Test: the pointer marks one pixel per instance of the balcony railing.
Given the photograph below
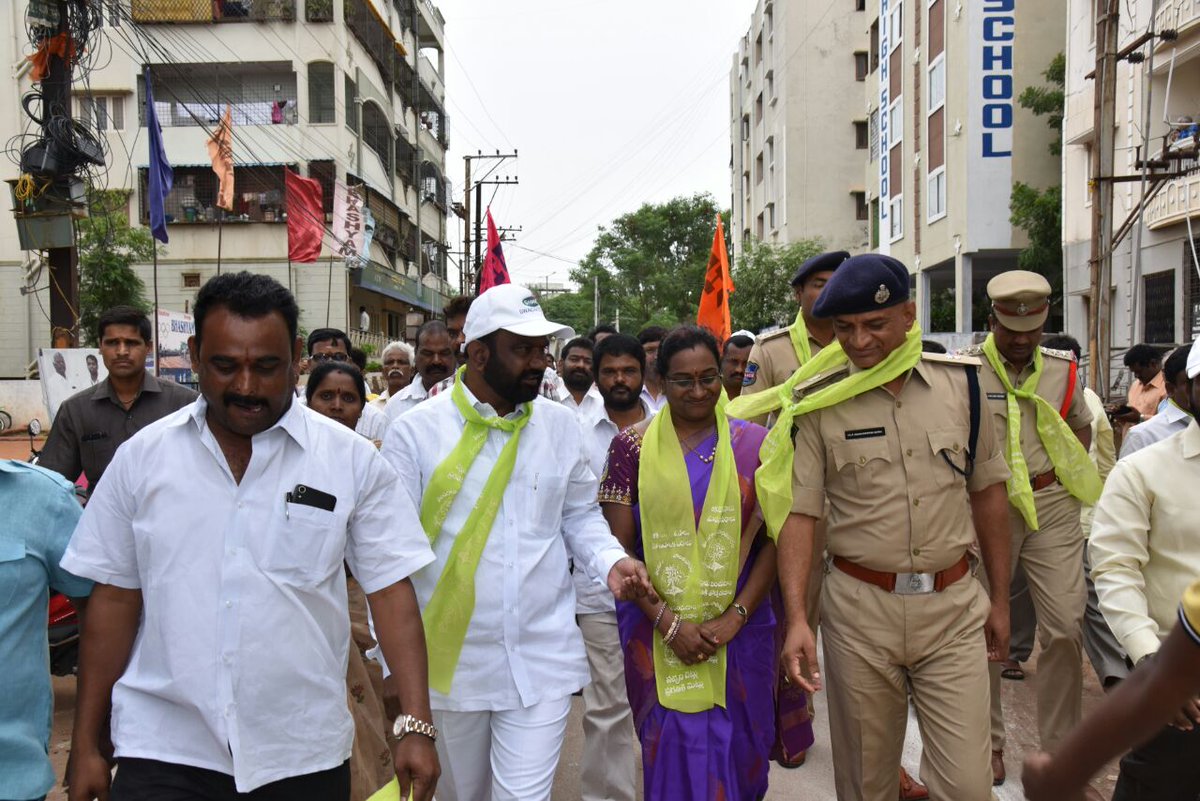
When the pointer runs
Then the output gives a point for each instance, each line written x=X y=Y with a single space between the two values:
x=1175 y=203
x=374 y=35
x=156 y=11
x=190 y=95
x=1176 y=15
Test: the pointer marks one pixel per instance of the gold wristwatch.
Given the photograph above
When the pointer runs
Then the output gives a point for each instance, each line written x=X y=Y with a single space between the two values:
x=408 y=724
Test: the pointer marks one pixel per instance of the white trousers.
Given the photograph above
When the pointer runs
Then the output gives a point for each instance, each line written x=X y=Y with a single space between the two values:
x=508 y=755
x=608 y=769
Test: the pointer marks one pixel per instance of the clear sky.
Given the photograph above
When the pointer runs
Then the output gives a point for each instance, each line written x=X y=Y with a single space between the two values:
x=610 y=104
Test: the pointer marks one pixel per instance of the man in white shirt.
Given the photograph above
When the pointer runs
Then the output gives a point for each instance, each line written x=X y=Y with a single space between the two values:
x=397 y=362
x=435 y=362
x=1144 y=555
x=578 y=391
x=1175 y=415
x=219 y=625
x=650 y=338
x=507 y=497
x=607 y=767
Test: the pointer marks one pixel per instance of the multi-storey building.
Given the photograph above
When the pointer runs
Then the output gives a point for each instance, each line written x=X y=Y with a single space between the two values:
x=798 y=132
x=949 y=139
x=338 y=90
x=1155 y=289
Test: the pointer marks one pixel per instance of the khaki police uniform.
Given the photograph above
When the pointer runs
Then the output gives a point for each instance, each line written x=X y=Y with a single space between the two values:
x=772 y=361
x=876 y=464
x=1052 y=557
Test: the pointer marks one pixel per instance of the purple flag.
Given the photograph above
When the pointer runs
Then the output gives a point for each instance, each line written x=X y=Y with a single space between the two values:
x=161 y=178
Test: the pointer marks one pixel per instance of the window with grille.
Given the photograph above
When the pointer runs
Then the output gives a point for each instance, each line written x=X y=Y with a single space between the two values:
x=324 y=172
x=1191 y=292
x=318 y=10
x=258 y=195
x=102 y=112
x=195 y=95
x=321 y=101
x=1158 y=327
x=874 y=134
x=351 y=106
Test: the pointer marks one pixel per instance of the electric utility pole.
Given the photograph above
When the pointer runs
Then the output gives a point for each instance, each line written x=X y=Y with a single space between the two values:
x=471 y=261
x=1104 y=109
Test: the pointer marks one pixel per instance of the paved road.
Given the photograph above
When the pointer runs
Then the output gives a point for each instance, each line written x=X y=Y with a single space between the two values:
x=812 y=782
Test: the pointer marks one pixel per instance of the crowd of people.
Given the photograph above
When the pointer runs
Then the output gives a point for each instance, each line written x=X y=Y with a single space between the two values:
x=293 y=587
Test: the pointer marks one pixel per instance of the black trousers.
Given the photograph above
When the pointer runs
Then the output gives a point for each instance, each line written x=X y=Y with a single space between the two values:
x=150 y=780
x=1165 y=769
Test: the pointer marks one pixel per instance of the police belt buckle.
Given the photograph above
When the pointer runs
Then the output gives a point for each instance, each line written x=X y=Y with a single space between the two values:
x=913 y=583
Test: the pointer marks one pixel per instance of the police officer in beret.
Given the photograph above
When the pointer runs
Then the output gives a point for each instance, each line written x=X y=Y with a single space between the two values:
x=1051 y=474
x=775 y=356
x=884 y=451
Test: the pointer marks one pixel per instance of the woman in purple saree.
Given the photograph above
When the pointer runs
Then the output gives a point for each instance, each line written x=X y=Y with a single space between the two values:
x=721 y=753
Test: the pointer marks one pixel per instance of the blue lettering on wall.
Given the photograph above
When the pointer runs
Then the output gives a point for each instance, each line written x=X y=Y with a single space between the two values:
x=996 y=86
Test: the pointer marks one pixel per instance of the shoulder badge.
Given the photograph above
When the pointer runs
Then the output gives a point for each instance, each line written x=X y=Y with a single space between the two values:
x=820 y=381
x=779 y=332
x=975 y=351
x=751 y=374
x=960 y=358
x=1059 y=354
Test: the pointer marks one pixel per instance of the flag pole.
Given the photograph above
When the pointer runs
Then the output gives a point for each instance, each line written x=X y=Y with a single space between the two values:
x=329 y=292
x=220 y=220
x=289 y=272
x=154 y=242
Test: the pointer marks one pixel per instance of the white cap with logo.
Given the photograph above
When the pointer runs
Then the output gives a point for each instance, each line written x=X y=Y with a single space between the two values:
x=1193 y=360
x=512 y=308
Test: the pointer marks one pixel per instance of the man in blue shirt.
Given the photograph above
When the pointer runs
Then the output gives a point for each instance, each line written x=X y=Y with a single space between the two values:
x=40 y=513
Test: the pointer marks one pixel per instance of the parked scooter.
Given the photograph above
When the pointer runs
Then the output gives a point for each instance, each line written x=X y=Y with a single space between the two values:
x=63 y=633
x=35 y=428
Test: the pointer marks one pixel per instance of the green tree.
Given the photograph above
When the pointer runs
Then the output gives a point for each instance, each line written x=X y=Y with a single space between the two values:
x=762 y=295
x=1039 y=212
x=108 y=248
x=650 y=263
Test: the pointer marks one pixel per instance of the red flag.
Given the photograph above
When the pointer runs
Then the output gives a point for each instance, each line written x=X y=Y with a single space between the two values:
x=495 y=270
x=714 y=302
x=306 y=217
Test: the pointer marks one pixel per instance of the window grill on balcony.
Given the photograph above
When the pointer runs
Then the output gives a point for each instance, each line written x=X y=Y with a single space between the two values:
x=432 y=116
x=373 y=34
x=193 y=95
x=318 y=10
x=404 y=81
x=258 y=196
x=156 y=11
x=405 y=153
x=434 y=187
x=377 y=134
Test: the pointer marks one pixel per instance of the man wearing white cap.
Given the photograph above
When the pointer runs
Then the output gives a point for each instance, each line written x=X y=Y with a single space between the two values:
x=507 y=498
x=1144 y=555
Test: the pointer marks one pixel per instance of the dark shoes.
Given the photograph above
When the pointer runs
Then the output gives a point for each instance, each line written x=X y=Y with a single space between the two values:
x=998 y=774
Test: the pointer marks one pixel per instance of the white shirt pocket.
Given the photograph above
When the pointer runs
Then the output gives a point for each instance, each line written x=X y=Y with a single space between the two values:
x=306 y=548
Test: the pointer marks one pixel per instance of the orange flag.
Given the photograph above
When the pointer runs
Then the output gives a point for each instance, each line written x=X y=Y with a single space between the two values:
x=714 y=302
x=220 y=150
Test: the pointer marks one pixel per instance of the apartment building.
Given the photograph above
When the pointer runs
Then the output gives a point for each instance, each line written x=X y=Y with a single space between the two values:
x=1155 y=290
x=948 y=140
x=798 y=130
x=338 y=90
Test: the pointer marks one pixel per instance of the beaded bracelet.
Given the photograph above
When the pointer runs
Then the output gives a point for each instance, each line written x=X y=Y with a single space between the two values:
x=658 y=618
x=673 y=631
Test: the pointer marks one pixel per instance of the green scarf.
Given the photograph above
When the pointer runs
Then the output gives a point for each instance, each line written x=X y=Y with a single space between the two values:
x=773 y=479
x=449 y=610
x=798 y=331
x=1070 y=459
x=693 y=569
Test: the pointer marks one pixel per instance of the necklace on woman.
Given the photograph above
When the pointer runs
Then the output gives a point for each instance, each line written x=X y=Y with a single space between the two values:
x=706 y=459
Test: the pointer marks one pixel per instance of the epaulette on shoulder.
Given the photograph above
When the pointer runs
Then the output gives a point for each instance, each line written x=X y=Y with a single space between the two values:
x=974 y=351
x=1059 y=354
x=964 y=358
x=782 y=332
x=820 y=381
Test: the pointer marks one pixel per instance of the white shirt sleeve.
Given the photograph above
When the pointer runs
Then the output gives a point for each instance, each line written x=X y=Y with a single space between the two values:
x=385 y=542
x=589 y=540
x=1119 y=549
x=103 y=548
x=1135 y=440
